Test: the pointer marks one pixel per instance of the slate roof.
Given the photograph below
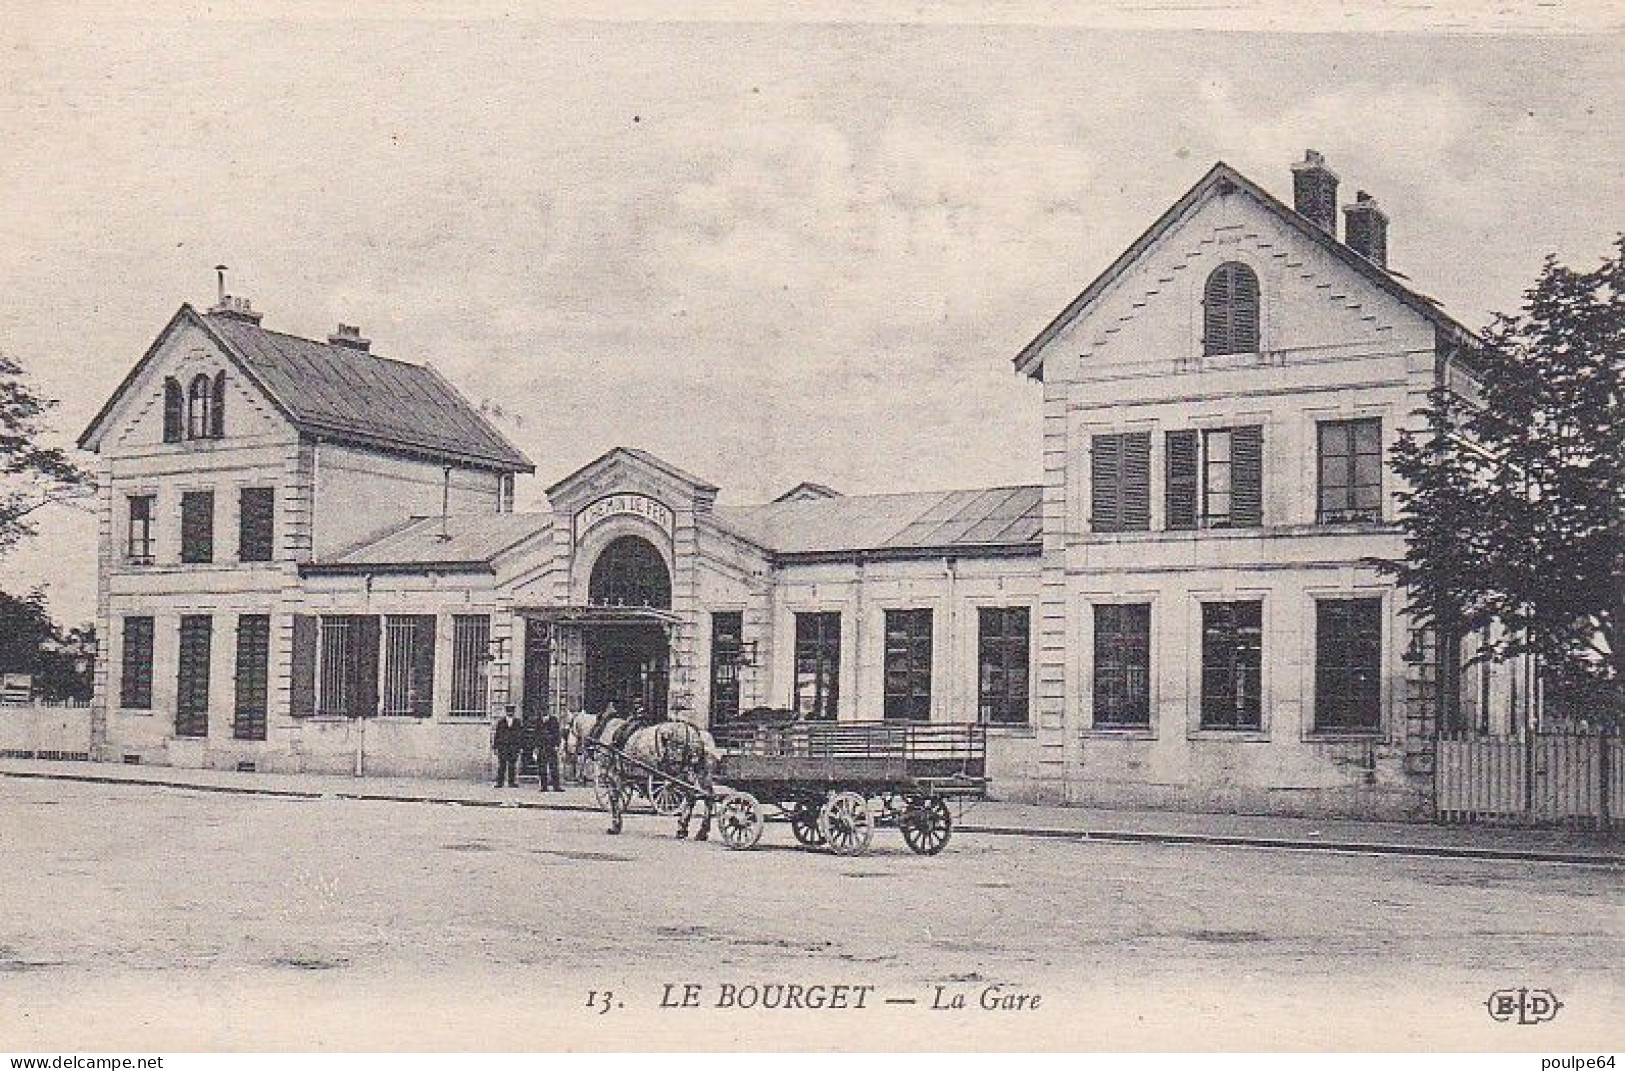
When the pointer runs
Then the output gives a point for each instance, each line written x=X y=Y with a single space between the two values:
x=1221 y=177
x=462 y=542
x=996 y=519
x=350 y=395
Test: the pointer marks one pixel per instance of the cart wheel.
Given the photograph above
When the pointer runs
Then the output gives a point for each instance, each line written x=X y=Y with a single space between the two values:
x=926 y=824
x=847 y=823
x=604 y=782
x=739 y=821
x=665 y=794
x=804 y=824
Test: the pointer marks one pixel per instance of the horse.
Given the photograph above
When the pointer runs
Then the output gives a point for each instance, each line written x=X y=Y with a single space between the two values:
x=678 y=749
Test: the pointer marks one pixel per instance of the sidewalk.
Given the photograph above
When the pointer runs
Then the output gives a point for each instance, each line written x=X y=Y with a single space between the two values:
x=990 y=818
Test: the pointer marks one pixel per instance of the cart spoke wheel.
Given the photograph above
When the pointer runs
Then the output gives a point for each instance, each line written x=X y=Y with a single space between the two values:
x=665 y=794
x=739 y=821
x=926 y=824
x=847 y=823
x=804 y=824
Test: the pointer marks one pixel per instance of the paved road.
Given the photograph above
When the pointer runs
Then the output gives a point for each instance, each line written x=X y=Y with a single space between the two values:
x=140 y=918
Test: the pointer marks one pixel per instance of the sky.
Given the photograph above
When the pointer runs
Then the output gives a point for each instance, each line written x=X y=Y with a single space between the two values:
x=765 y=251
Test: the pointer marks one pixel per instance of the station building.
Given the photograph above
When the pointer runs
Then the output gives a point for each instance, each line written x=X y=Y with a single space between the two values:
x=310 y=558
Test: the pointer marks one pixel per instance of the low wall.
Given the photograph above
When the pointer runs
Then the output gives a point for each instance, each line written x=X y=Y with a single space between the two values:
x=44 y=732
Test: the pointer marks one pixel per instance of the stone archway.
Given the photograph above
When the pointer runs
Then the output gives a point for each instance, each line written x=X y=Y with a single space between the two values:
x=628 y=662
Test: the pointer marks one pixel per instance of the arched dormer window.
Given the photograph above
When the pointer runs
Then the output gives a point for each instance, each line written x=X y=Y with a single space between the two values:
x=200 y=407
x=1230 y=310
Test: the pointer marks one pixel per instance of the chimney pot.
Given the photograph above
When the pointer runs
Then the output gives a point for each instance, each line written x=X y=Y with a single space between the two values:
x=349 y=336
x=1314 y=191
x=236 y=308
x=1366 y=227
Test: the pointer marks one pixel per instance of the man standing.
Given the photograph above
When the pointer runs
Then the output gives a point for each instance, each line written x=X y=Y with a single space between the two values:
x=507 y=740
x=548 y=734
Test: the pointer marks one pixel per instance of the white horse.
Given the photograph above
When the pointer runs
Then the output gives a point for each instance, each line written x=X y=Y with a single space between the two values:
x=677 y=749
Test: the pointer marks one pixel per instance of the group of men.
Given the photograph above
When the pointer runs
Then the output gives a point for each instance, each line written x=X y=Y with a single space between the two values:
x=512 y=739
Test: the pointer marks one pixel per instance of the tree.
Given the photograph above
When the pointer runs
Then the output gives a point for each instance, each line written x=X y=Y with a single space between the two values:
x=32 y=474
x=1515 y=510
x=61 y=662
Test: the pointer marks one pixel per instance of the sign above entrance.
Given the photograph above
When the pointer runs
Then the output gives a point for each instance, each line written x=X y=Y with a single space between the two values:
x=623 y=505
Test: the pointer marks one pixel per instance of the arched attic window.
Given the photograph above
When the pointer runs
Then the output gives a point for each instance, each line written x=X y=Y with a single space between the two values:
x=206 y=406
x=1230 y=310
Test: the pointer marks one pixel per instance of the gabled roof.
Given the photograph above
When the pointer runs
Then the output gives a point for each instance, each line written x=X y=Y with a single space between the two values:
x=999 y=519
x=347 y=394
x=642 y=457
x=1222 y=178
x=806 y=490
x=460 y=542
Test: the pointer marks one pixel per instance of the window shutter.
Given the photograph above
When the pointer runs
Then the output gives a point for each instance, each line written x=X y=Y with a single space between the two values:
x=1105 y=464
x=174 y=411
x=1243 y=310
x=197 y=527
x=423 y=666
x=1230 y=310
x=217 y=412
x=256 y=524
x=367 y=635
x=1183 y=460
x=1216 y=312
x=1247 y=476
x=1136 y=502
x=302 y=703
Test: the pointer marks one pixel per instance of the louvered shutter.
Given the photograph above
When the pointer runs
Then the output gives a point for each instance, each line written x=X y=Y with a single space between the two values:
x=1183 y=459
x=423 y=665
x=1247 y=476
x=1243 y=310
x=1105 y=465
x=174 y=411
x=1230 y=308
x=367 y=635
x=192 y=677
x=1216 y=312
x=1136 y=493
x=217 y=411
x=197 y=527
x=302 y=702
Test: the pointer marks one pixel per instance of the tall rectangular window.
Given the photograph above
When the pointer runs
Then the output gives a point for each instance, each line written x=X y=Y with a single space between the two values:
x=408 y=665
x=470 y=654
x=347 y=666
x=135 y=670
x=256 y=524
x=1120 y=482
x=1123 y=665
x=727 y=639
x=253 y=676
x=138 y=545
x=197 y=527
x=1003 y=646
x=1232 y=665
x=908 y=665
x=1350 y=471
x=818 y=665
x=192 y=677
x=1232 y=477
x=1348 y=665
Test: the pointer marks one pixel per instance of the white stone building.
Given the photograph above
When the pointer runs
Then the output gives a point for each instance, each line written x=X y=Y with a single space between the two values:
x=310 y=559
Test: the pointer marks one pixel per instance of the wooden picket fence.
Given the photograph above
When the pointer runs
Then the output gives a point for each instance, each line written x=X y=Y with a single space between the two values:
x=1563 y=778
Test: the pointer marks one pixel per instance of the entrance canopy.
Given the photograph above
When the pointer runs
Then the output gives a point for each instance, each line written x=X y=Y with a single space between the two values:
x=599 y=615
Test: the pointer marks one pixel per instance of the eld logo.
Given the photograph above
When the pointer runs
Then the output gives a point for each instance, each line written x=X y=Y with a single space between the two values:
x=1525 y=1007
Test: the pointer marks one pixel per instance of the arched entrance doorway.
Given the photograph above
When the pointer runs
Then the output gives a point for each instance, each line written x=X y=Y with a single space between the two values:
x=628 y=660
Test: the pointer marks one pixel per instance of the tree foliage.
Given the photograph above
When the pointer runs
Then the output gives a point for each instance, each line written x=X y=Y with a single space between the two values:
x=60 y=660
x=32 y=474
x=1515 y=511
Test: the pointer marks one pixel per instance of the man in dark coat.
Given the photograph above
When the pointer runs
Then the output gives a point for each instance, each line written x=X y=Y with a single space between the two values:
x=548 y=734
x=507 y=740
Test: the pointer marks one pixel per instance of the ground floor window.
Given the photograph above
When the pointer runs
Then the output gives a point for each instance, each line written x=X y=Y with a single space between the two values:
x=1003 y=645
x=192 y=677
x=1122 y=692
x=727 y=640
x=1232 y=665
x=135 y=680
x=408 y=665
x=818 y=665
x=347 y=666
x=908 y=665
x=253 y=676
x=470 y=654
x=1348 y=665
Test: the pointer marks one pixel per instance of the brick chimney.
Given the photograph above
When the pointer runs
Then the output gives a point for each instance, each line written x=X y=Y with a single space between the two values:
x=1314 y=191
x=350 y=338
x=236 y=308
x=1367 y=229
